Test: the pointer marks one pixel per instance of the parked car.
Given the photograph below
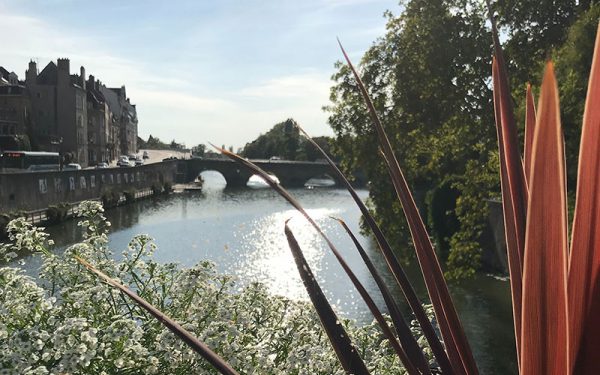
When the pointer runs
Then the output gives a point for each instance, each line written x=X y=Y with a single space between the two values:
x=72 y=167
x=170 y=158
x=124 y=162
x=101 y=165
x=275 y=158
x=139 y=161
x=132 y=157
x=146 y=156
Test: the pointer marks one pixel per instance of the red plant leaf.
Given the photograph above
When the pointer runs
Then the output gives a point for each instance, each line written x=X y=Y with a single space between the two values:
x=529 y=127
x=395 y=268
x=584 y=262
x=357 y=284
x=197 y=345
x=544 y=308
x=340 y=341
x=458 y=348
x=405 y=336
x=515 y=267
x=515 y=181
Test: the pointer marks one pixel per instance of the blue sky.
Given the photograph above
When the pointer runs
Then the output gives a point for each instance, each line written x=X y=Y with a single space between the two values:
x=200 y=71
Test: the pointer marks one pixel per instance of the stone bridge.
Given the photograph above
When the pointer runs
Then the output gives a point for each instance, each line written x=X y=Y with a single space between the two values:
x=289 y=173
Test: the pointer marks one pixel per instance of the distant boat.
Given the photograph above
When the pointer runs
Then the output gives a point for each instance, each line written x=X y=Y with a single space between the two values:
x=321 y=181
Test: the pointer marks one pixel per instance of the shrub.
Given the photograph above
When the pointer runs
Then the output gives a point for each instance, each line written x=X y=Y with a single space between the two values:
x=57 y=213
x=68 y=321
x=129 y=195
x=110 y=198
x=156 y=189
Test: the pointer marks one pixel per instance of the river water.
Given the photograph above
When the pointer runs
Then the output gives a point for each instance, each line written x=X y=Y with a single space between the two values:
x=241 y=231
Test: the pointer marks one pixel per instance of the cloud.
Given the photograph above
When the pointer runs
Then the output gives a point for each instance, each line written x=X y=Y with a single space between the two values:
x=182 y=101
x=292 y=86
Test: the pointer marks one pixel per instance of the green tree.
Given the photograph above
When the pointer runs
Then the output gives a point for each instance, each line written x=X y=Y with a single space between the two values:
x=429 y=79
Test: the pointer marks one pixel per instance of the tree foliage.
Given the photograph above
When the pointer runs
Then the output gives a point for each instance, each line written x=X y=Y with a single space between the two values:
x=284 y=140
x=429 y=77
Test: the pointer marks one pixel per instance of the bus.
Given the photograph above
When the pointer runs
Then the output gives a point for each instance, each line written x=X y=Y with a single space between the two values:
x=29 y=161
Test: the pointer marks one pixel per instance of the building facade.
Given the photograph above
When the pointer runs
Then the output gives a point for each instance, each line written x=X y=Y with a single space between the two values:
x=15 y=113
x=55 y=110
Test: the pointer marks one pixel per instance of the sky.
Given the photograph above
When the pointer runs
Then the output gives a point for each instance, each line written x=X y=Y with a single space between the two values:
x=199 y=71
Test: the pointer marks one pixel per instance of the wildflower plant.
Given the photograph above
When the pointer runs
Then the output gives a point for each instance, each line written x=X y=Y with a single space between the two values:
x=68 y=321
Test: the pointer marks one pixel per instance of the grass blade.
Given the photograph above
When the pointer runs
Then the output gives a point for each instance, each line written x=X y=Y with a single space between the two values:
x=584 y=262
x=357 y=284
x=342 y=345
x=457 y=345
x=198 y=346
x=407 y=340
x=394 y=266
x=544 y=311
x=529 y=128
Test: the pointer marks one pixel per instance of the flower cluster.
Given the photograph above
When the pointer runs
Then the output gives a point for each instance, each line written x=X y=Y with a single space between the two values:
x=68 y=322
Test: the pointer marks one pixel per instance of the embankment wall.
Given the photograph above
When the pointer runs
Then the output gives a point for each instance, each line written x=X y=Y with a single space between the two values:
x=38 y=190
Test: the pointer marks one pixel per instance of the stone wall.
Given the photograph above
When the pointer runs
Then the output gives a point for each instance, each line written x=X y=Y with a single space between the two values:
x=38 y=190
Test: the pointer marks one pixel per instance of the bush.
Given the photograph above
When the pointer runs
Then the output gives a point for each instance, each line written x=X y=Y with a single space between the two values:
x=6 y=218
x=67 y=321
x=57 y=213
x=110 y=198
x=129 y=195
x=156 y=189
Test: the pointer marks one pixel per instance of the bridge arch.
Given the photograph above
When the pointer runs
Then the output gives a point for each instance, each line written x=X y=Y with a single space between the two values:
x=213 y=179
x=290 y=173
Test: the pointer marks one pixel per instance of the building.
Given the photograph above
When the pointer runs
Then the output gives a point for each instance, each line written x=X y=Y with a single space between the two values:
x=15 y=113
x=125 y=115
x=54 y=110
x=59 y=102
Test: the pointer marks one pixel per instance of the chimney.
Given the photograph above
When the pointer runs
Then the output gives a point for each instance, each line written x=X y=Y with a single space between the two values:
x=31 y=73
x=82 y=77
x=63 y=77
x=91 y=81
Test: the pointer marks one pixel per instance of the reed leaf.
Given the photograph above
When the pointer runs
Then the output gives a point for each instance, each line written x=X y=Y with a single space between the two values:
x=458 y=348
x=357 y=284
x=342 y=345
x=529 y=128
x=407 y=340
x=394 y=266
x=198 y=346
x=544 y=308
x=584 y=261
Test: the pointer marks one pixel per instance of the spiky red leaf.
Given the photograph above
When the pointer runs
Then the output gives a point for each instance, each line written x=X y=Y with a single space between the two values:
x=459 y=351
x=529 y=128
x=584 y=262
x=515 y=267
x=395 y=268
x=339 y=339
x=544 y=308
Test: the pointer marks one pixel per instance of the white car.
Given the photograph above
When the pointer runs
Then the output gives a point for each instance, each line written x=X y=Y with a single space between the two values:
x=124 y=162
x=72 y=167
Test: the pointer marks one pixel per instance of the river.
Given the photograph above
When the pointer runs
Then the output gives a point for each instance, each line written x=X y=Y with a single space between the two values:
x=241 y=231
